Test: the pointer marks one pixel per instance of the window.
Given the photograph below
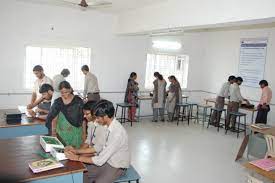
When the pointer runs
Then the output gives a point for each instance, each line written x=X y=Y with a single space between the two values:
x=167 y=65
x=53 y=60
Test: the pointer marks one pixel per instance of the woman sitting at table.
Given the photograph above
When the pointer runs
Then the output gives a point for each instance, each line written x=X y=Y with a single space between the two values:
x=174 y=97
x=66 y=116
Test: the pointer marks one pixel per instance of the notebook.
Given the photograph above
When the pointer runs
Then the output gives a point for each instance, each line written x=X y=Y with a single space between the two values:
x=44 y=165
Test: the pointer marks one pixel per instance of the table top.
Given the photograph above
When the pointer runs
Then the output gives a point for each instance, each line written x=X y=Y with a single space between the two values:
x=25 y=121
x=268 y=174
x=268 y=131
x=145 y=97
x=17 y=152
x=213 y=100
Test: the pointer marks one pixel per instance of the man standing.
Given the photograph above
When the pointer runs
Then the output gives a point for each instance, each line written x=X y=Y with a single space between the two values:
x=43 y=108
x=57 y=79
x=263 y=107
x=223 y=93
x=113 y=160
x=234 y=101
x=41 y=79
x=91 y=90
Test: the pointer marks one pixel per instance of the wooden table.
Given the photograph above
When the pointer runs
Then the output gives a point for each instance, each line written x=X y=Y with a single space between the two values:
x=253 y=110
x=17 y=152
x=268 y=174
x=251 y=137
x=144 y=98
x=26 y=127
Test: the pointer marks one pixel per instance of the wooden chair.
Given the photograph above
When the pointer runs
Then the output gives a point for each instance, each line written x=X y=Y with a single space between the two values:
x=270 y=142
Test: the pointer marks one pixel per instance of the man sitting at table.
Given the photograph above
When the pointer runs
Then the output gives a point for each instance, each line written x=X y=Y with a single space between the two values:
x=234 y=102
x=223 y=93
x=263 y=107
x=44 y=105
x=110 y=163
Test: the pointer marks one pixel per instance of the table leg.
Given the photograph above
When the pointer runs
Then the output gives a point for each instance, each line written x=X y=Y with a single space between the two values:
x=242 y=148
x=252 y=118
x=139 y=106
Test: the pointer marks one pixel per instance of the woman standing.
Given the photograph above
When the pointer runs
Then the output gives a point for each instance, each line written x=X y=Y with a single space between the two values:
x=66 y=116
x=159 y=96
x=131 y=95
x=174 y=96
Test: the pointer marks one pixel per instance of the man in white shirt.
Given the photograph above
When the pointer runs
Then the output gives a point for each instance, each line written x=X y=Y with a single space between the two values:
x=91 y=89
x=114 y=159
x=223 y=93
x=57 y=79
x=41 y=79
x=234 y=102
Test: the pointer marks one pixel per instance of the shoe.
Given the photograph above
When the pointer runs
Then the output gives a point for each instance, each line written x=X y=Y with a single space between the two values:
x=154 y=120
x=163 y=120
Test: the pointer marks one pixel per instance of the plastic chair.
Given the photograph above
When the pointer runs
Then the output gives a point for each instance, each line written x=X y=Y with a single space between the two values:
x=270 y=142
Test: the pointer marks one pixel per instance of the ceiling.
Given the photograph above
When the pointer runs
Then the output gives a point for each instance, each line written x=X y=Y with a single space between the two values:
x=118 y=6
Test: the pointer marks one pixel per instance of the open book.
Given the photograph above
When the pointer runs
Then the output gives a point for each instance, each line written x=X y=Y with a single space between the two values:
x=44 y=165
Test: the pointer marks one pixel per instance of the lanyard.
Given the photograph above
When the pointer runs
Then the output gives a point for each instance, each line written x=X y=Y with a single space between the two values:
x=93 y=134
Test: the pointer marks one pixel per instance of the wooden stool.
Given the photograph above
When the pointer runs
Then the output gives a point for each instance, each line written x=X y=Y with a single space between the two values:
x=237 y=115
x=219 y=113
x=124 y=107
x=185 y=112
x=130 y=175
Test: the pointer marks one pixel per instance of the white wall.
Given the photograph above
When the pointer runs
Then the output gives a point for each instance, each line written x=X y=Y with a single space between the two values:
x=220 y=58
x=113 y=57
x=192 y=13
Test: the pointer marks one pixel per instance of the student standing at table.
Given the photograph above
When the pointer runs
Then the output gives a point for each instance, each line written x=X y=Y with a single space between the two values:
x=57 y=79
x=114 y=159
x=159 y=97
x=43 y=108
x=131 y=96
x=234 y=101
x=223 y=93
x=263 y=107
x=41 y=79
x=91 y=89
x=66 y=116
x=174 y=96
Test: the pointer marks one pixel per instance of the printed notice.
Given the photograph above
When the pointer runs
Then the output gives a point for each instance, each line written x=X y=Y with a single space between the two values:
x=252 y=61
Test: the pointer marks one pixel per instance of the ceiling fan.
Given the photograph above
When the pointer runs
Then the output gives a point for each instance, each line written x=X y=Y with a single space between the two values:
x=84 y=4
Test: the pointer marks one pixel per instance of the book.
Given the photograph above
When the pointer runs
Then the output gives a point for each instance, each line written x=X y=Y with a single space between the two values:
x=261 y=126
x=44 y=165
x=58 y=153
x=47 y=142
x=265 y=164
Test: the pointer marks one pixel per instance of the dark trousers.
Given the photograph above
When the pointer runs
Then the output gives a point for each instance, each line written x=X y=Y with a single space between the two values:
x=232 y=107
x=215 y=117
x=262 y=114
x=102 y=174
x=93 y=97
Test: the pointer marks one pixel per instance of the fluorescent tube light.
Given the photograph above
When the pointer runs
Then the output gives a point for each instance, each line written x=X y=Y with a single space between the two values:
x=166 y=45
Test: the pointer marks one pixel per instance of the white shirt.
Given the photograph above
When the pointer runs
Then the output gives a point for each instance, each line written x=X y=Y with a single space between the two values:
x=116 y=151
x=38 y=83
x=96 y=136
x=224 y=91
x=235 y=93
x=90 y=84
x=57 y=79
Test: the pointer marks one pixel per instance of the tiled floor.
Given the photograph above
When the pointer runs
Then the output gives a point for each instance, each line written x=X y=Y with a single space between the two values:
x=166 y=153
